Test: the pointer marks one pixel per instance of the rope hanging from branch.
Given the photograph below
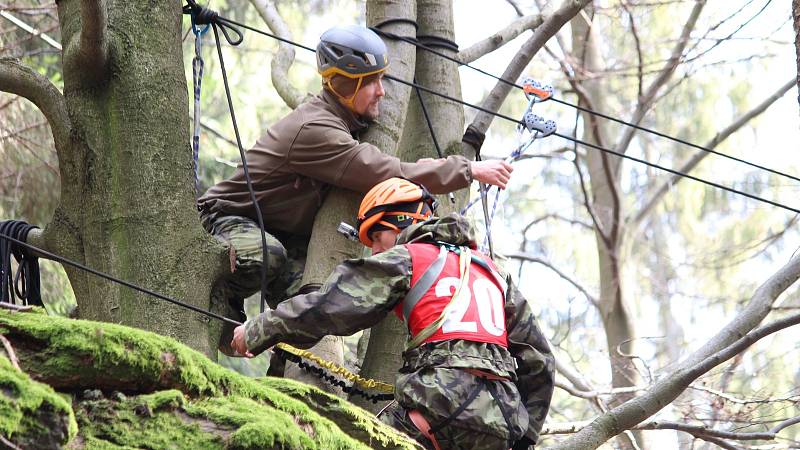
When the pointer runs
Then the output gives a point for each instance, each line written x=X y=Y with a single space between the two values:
x=25 y=284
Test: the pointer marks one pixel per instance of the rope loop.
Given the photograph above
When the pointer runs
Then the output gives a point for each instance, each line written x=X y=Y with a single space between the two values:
x=25 y=284
x=208 y=17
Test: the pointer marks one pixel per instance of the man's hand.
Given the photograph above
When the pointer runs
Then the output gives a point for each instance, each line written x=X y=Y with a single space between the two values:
x=238 y=343
x=429 y=160
x=494 y=172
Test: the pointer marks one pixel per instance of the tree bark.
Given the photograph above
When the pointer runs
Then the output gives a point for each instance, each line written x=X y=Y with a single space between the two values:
x=382 y=360
x=796 y=17
x=126 y=172
x=605 y=188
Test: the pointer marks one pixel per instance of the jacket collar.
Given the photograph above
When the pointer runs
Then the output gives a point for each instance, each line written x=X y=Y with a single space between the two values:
x=354 y=124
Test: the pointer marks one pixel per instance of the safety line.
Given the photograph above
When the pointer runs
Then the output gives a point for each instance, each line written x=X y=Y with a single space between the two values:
x=511 y=83
x=364 y=382
x=111 y=278
x=596 y=113
x=596 y=147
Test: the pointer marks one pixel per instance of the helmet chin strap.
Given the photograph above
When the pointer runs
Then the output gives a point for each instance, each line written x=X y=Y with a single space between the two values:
x=347 y=101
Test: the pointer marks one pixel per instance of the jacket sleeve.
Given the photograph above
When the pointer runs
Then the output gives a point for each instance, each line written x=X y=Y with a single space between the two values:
x=357 y=295
x=536 y=365
x=326 y=152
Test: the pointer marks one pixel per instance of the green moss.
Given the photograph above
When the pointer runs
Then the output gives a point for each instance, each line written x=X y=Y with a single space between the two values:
x=257 y=426
x=25 y=405
x=163 y=399
x=147 y=421
x=93 y=354
x=364 y=424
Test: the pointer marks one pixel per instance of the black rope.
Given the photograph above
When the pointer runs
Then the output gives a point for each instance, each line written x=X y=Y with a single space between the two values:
x=511 y=83
x=111 y=278
x=25 y=285
x=6 y=239
x=203 y=16
x=596 y=147
x=433 y=134
x=428 y=48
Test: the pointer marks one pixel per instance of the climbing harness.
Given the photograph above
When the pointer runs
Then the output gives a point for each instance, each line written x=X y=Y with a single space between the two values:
x=197 y=80
x=25 y=285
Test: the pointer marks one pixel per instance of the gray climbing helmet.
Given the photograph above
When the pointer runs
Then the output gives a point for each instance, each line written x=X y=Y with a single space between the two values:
x=351 y=51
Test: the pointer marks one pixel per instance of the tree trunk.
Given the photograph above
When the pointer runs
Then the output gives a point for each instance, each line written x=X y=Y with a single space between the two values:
x=326 y=249
x=605 y=201
x=382 y=357
x=606 y=207
x=126 y=176
x=796 y=17
x=435 y=17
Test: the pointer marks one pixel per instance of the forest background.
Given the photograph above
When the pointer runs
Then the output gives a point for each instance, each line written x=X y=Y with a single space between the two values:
x=688 y=262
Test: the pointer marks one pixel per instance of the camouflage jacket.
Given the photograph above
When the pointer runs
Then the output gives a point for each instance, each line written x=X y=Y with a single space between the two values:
x=361 y=292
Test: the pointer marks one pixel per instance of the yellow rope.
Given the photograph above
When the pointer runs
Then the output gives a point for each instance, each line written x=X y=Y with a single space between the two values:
x=344 y=373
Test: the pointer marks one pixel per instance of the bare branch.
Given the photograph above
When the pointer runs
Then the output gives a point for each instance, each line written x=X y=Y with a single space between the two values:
x=659 y=192
x=29 y=29
x=543 y=33
x=556 y=217
x=786 y=423
x=732 y=339
x=92 y=53
x=500 y=38
x=531 y=258
x=516 y=7
x=14 y=307
x=698 y=431
x=638 y=43
x=16 y=78
x=10 y=352
x=646 y=100
x=284 y=58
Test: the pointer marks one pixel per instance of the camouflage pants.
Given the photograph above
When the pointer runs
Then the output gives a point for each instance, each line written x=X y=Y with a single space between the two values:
x=285 y=262
x=438 y=392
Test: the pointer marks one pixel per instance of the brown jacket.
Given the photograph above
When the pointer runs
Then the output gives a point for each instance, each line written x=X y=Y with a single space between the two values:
x=293 y=165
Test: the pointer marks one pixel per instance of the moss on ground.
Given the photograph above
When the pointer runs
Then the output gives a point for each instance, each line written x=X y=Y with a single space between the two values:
x=143 y=422
x=190 y=401
x=32 y=414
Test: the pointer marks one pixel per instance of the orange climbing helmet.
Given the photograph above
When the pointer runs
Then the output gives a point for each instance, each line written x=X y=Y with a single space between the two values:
x=393 y=204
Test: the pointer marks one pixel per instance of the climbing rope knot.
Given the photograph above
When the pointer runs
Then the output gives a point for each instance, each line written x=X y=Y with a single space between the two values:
x=205 y=16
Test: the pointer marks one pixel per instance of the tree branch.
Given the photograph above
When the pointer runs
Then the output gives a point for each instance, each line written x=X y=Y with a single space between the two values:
x=284 y=58
x=29 y=29
x=530 y=258
x=732 y=339
x=658 y=193
x=16 y=78
x=92 y=52
x=543 y=33
x=646 y=100
x=499 y=39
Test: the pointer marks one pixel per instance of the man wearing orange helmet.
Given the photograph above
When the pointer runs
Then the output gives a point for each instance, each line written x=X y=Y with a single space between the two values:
x=313 y=148
x=477 y=373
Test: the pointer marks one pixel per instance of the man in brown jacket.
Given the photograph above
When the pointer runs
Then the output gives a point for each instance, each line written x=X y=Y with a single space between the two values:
x=314 y=147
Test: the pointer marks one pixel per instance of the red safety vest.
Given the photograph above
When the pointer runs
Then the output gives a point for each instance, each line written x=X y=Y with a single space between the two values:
x=477 y=315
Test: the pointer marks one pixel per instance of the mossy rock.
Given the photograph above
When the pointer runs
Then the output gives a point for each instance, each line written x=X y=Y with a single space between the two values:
x=32 y=414
x=175 y=397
